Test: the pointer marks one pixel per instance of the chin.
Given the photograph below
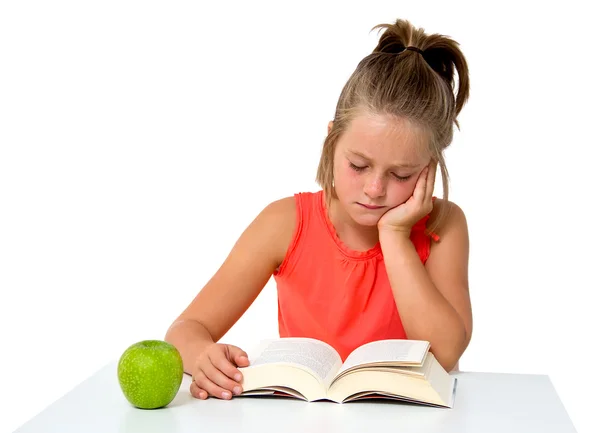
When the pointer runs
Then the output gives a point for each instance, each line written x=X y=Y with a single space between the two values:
x=372 y=223
x=366 y=219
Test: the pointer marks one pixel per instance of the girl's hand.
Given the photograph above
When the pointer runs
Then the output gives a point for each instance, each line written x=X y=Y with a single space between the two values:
x=403 y=217
x=215 y=372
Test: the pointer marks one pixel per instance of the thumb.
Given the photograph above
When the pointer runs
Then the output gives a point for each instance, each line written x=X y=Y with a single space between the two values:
x=238 y=356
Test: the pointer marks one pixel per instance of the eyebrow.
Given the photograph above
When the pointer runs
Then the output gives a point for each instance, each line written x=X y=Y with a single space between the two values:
x=400 y=165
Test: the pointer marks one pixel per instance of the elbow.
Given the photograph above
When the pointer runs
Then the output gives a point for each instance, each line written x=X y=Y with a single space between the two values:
x=170 y=335
x=450 y=357
x=449 y=362
x=450 y=365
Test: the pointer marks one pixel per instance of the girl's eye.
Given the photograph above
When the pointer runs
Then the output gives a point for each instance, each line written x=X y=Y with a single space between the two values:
x=359 y=169
x=356 y=167
x=402 y=178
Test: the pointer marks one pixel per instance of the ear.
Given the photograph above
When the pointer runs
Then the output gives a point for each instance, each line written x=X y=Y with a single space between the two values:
x=329 y=126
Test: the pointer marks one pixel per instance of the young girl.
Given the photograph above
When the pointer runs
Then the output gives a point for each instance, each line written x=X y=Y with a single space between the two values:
x=355 y=262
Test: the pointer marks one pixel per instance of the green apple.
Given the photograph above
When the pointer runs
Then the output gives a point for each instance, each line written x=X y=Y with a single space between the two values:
x=150 y=373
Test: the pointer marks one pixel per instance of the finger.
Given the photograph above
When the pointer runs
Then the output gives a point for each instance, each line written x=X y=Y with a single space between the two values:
x=430 y=181
x=211 y=388
x=222 y=361
x=220 y=385
x=238 y=356
x=216 y=375
x=419 y=191
x=242 y=361
x=198 y=392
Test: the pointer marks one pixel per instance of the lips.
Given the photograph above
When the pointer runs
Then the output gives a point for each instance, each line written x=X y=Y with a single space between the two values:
x=371 y=207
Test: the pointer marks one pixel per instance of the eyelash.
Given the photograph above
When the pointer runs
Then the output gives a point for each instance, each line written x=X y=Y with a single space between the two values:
x=359 y=169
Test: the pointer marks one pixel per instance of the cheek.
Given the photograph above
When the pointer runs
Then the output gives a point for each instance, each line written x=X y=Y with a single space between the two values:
x=352 y=176
x=399 y=192
x=346 y=178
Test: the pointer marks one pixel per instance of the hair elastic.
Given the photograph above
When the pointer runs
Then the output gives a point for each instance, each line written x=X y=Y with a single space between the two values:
x=418 y=50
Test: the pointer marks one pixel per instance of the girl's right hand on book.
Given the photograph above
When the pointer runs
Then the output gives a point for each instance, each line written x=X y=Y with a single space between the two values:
x=215 y=372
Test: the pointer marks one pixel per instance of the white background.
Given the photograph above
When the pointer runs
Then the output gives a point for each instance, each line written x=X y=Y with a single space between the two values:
x=138 y=140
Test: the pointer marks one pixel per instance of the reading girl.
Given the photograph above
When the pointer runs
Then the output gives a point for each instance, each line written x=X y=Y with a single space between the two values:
x=370 y=256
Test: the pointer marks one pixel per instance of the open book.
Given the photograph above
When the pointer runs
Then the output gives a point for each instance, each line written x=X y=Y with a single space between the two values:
x=312 y=370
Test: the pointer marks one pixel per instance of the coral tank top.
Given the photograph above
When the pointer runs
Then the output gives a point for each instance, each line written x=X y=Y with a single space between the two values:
x=332 y=293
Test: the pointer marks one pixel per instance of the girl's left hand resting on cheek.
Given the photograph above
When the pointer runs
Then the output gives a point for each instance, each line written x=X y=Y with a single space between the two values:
x=403 y=217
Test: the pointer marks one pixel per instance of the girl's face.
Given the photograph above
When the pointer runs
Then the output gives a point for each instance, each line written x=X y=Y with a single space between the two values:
x=376 y=165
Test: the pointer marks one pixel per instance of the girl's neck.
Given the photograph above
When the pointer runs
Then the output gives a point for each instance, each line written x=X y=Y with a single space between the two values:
x=354 y=235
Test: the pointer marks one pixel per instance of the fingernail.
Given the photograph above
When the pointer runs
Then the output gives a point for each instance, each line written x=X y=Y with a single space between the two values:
x=238 y=377
x=225 y=394
x=237 y=390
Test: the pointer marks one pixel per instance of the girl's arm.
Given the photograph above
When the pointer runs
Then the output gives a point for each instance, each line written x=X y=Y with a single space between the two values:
x=228 y=294
x=433 y=300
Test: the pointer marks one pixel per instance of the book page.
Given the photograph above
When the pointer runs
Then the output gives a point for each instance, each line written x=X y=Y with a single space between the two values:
x=411 y=352
x=321 y=359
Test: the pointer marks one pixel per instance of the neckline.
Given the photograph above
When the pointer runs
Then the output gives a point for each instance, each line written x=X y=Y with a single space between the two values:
x=345 y=249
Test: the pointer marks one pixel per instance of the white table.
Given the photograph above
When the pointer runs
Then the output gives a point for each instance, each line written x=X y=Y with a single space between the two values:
x=485 y=403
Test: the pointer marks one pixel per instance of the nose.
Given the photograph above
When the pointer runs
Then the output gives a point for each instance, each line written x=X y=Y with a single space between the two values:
x=374 y=187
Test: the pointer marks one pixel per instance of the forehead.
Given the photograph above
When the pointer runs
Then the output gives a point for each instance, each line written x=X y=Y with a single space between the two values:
x=385 y=135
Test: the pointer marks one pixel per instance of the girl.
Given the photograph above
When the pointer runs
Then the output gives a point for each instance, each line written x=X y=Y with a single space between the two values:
x=355 y=262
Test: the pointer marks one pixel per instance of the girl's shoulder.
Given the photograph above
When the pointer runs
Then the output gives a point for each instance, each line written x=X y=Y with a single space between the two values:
x=281 y=207
x=446 y=216
x=279 y=220
x=287 y=215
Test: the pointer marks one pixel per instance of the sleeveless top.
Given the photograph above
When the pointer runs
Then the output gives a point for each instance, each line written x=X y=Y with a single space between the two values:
x=331 y=292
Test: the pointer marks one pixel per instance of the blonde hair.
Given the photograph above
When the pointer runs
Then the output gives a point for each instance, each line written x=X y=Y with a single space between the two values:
x=415 y=84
